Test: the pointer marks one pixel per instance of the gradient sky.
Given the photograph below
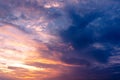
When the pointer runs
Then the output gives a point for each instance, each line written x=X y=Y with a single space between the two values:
x=59 y=40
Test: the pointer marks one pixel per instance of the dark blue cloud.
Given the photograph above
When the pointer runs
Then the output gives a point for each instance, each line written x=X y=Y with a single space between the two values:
x=77 y=34
x=81 y=37
x=110 y=73
x=78 y=73
x=95 y=26
x=110 y=32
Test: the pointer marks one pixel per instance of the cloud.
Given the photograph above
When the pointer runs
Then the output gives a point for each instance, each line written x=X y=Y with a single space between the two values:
x=83 y=32
x=59 y=40
x=81 y=37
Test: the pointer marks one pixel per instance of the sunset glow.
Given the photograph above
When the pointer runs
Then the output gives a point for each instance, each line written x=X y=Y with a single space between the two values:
x=59 y=40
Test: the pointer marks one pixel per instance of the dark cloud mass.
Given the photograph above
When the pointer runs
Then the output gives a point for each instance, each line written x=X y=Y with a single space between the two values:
x=60 y=39
x=96 y=26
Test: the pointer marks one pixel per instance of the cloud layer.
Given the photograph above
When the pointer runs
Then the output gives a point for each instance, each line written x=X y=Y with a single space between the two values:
x=59 y=40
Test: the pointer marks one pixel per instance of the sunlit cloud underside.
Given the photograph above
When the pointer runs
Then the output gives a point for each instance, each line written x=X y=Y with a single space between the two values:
x=24 y=54
x=18 y=52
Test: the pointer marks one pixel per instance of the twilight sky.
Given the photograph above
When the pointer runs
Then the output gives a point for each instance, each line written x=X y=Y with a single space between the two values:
x=59 y=39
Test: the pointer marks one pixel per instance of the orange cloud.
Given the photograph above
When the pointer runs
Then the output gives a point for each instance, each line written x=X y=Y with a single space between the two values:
x=19 y=54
